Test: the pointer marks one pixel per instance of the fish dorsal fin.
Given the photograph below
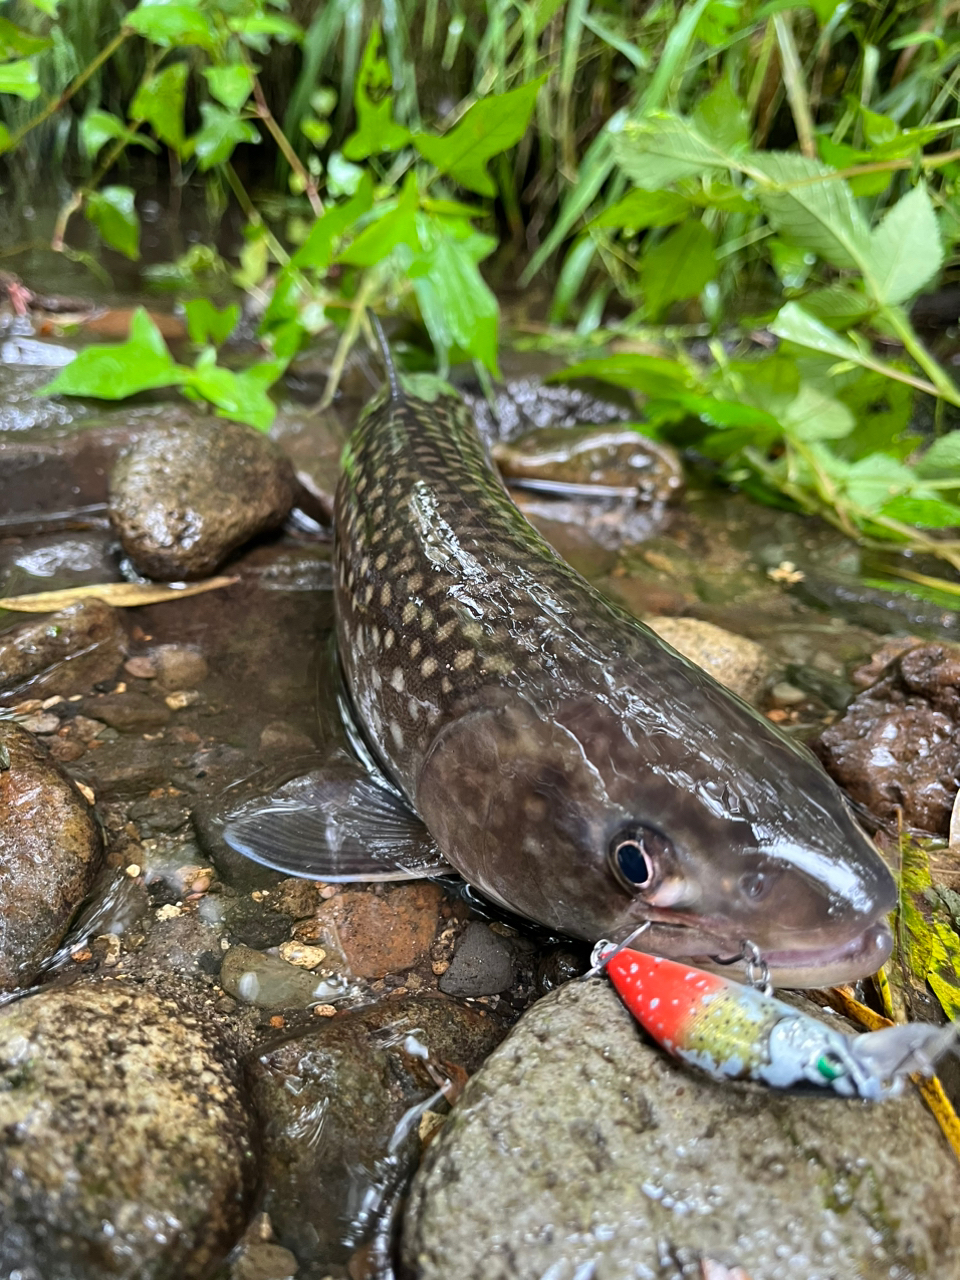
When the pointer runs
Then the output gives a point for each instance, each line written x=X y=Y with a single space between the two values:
x=336 y=824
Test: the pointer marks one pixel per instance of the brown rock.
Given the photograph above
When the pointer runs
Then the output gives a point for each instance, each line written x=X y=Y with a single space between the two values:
x=740 y=664
x=64 y=653
x=49 y=853
x=178 y=666
x=183 y=498
x=897 y=746
x=128 y=712
x=384 y=931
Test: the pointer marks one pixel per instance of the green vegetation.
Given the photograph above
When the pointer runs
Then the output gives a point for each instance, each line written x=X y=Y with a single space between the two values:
x=735 y=203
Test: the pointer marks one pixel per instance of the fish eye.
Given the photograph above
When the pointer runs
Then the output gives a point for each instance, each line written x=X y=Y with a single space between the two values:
x=632 y=857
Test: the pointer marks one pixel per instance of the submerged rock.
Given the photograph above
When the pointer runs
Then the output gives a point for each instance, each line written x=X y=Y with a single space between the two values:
x=125 y=1149
x=740 y=664
x=272 y=983
x=341 y=1108
x=581 y=1150
x=49 y=854
x=482 y=964
x=65 y=652
x=897 y=747
x=183 y=498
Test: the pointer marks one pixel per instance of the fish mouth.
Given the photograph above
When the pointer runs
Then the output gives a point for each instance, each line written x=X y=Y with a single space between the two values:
x=829 y=965
x=825 y=966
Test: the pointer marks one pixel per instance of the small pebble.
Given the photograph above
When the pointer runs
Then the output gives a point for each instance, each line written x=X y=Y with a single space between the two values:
x=300 y=954
x=133 y=870
x=182 y=698
x=86 y=792
x=41 y=723
x=785 y=694
x=142 y=667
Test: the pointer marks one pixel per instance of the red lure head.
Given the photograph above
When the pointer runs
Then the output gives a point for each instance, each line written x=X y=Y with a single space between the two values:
x=664 y=996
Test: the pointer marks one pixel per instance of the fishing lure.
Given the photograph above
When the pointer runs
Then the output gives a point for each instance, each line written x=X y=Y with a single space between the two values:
x=735 y=1032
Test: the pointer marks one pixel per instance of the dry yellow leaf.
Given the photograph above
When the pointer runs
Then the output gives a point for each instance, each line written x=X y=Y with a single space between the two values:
x=124 y=595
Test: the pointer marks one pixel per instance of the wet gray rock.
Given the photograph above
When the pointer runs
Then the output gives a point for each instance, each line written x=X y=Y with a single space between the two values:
x=360 y=1078
x=125 y=1148
x=183 y=498
x=740 y=664
x=49 y=854
x=579 y=1149
x=178 y=666
x=64 y=652
x=264 y=1261
x=129 y=712
x=482 y=964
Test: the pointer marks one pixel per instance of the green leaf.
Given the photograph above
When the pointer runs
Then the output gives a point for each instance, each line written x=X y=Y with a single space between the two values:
x=491 y=126
x=49 y=7
x=873 y=481
x=5 y=139
x=455 y=302
x=813 y=415
x=256 y=30
x=20 y=79
x=159 y=101
x=678 y=267
x=317 y=250
x=231 y=85
x=376 y=130
x=812 y=210
x=662 y=148
x=653 y=375
x=942 y=460
x=906 y=248
x=14 y=41
x=793 y=324
x=206 y=324
x=837 y=305
x=97 y=128
x=220 y=133
x=722 y=118
x=928 y=513
x=113 y=372
x=239 y=396
x=112 y=211
x=641 y=209
x=172 y=24
x=396 y=226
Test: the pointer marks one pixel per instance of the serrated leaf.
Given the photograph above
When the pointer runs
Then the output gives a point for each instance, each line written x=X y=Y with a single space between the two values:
x=172 y=24
x=813 y=415
x=722 y=119
x=206 y=324
x=159 y=101
x=397 y=226
x=241 y=397
x=641 y=209
x=942 y=460
x=115 y=371
x=926 y=513
x=905 y=248
x=113 y=212
x=231 y=85
x=317 y=250
x=872 y=482
x=377 y=131
x=220 y=133
x=811 y=209
x=837 y=305
x=793 y=324
x=678 y=266
x=457 y=306
x=491 y=126
x=662 y=148
x=20 y=79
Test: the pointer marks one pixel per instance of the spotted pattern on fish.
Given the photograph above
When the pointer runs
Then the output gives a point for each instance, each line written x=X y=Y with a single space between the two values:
x=443 y=587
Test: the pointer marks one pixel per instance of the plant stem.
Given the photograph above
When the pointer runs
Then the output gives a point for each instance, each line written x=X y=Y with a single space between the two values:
x=796 y=89
x=368 y=286
x=252 y=213
x=55 y=104
x=944 y=385
x=280 y=138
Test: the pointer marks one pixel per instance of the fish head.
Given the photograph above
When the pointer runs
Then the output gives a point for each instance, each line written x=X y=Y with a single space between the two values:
x=575 y=818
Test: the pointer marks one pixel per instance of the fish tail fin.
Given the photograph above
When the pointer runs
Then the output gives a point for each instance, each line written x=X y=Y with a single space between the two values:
x=393 y=378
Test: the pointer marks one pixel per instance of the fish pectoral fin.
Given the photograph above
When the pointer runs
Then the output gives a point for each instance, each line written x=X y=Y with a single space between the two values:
x=337 y=826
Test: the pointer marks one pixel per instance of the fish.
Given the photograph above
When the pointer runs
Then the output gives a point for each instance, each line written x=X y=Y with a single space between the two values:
x=510 y=723
x=736 y=1032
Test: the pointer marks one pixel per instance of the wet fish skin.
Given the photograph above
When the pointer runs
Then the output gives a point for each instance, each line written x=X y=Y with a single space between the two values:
x=531 y=723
